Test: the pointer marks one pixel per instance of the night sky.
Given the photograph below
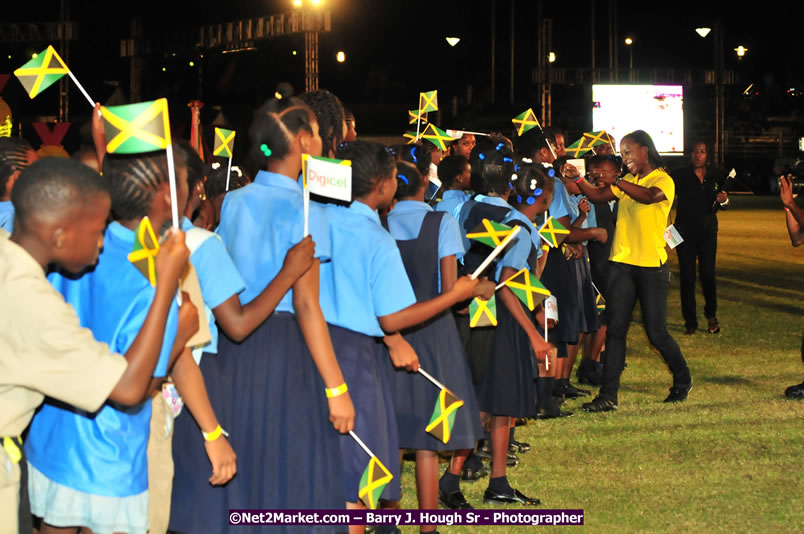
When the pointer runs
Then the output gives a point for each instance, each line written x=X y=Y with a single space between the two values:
x=396 y=48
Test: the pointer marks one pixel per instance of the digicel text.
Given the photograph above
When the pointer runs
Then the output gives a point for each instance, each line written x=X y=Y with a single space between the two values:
x=325 y=180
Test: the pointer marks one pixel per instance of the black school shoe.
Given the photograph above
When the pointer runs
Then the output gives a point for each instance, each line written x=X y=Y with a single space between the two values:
x=552 y=413
x=678 y=393
x=795 y=392
x=454 y=501
x=493 y=497
x=470 y=474
x=599 y=404
x=518 y=446
x=589 y=372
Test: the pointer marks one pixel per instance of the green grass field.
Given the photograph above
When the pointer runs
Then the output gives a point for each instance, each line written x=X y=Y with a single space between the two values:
x=729 y=459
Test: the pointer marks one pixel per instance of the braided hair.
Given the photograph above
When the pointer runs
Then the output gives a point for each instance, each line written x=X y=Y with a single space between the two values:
x=134 y=181
x=492 y=166
x=529 y=183
x=419 y=155
x=329 y=114
x=274 y=123
x=371 y=163
x=13 y=158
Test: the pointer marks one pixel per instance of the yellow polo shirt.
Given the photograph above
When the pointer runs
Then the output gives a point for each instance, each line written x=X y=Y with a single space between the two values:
x=639 y=235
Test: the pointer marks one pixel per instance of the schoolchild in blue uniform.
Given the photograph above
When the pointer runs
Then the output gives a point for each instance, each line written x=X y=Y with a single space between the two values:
x=282 y=382
x=503 y=376
x=585 y=227
x=197 y=505
x=455 y=175
x=556 y=275
x=366 y=294
x=97 y=475
x=430 y=242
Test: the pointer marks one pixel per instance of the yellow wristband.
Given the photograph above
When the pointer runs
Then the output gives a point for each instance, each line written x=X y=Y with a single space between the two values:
x=215 y=434
x=338 y=391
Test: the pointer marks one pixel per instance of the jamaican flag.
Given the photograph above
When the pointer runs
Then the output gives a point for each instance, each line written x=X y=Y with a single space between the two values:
x=136 y=128
x=224 y=139
x=553 y=232
x=146 y=246
x=428 y=101
x=41 y=72
x=415 y=115
x=436 y=136
x=443 y=418
x=525 y=121
x=374 y=479
x=483 y=312
x=527 y=288
x=600 y=302
x=579 y=147
x=489 y=233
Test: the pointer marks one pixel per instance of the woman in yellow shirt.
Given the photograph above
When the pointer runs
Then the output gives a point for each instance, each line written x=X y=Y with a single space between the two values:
x=638 y=267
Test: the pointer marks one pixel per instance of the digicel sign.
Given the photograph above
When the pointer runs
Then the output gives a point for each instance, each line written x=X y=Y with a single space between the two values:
x=331 y=178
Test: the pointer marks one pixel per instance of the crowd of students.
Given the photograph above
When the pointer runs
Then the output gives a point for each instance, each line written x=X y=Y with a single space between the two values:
x=311 y=337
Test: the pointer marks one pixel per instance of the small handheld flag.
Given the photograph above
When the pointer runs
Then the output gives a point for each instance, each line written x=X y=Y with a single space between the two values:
x=527 y=288
x=45 y=69
x=136 y=128
x=489 y=233
x=223 y=147
x=494 y=253
x=600 y=303
x=146 y=247
x=328 y=177
x=525 y=121
x=443 y=418
x=483 y=312
x=416 y=115
x=436 y=136
x=578 y=148
x=224 y=141
x=553 y=232
x=428 y=101
x=374 y=479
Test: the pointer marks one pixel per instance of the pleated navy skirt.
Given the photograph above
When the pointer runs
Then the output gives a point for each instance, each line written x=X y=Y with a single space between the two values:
x=507 y=387
x=279 y=426
x=440 y=353
x=196 y=505
x=585 y=307
x=361 y=360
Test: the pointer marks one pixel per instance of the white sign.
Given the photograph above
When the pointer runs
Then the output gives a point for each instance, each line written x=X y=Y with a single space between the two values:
x=331 y=178
x=551 y=308
x=672 y=237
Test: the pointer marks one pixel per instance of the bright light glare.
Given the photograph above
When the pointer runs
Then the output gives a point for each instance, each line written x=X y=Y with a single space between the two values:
x=452 y=41
x=340 y=57
x=703 y=32
x=628 y=41
x=551 y=57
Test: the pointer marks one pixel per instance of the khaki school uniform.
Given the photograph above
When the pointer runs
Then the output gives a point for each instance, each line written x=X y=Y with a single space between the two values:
x=43 y=351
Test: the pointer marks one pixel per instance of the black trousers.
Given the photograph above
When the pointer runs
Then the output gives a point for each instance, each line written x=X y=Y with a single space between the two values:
x=701 y=248
x=627 y=284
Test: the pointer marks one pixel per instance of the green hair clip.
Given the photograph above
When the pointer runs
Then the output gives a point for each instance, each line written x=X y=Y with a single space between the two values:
x=266 y=150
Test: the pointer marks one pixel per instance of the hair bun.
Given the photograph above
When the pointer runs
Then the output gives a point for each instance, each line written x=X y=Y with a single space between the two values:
x=283 y=90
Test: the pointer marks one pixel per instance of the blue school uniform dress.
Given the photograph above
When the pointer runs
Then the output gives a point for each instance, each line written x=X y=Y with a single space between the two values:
x=277 y=410
x=90 y=469
x=366 y=279
x=451 y=199
x=424 y=237
x=581 y=275
x=502 y=361
x=556 y=278
x=7 y=216
x=195 y=504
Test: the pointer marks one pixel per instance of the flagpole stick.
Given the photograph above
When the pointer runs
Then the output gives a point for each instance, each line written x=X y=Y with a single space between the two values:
x=360 y=442
x=595 y=288
x=228 y=173
x=418 y=123
x=81 y=88
x=435 y=382
x=174 y=207
x=496 y=252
